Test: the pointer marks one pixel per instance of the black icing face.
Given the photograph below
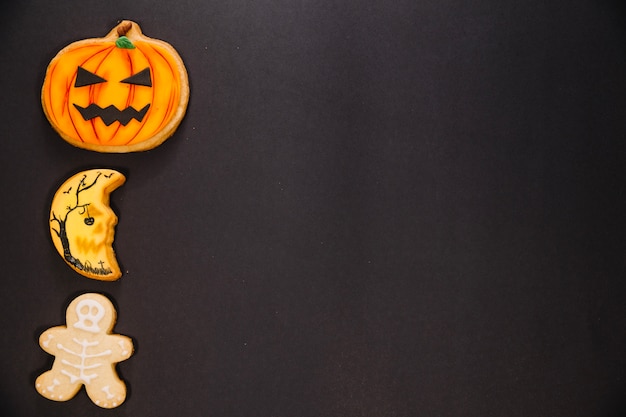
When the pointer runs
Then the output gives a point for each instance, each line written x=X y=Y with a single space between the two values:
x=111 y=114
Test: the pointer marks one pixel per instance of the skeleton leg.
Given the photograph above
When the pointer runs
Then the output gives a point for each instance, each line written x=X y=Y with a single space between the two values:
x=108 y=391
x=56 y=386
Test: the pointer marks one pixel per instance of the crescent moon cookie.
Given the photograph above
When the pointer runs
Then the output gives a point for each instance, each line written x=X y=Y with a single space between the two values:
x=85 y=353
x=82 y=224
x=121 y=93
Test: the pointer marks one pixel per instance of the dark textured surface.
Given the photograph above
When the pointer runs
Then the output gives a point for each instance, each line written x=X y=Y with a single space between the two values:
x=406 y=208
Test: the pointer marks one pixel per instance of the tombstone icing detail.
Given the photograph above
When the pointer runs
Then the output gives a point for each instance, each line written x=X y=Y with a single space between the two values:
x=125 y=92
x=85 y=354
x=82 y=225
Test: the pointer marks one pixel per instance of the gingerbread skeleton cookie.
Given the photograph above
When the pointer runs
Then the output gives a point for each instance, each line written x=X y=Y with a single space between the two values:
x=82 y=225
x=124 y=92
x=85 y=353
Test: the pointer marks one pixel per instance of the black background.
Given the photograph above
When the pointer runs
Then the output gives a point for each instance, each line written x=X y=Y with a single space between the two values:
x=401 y=208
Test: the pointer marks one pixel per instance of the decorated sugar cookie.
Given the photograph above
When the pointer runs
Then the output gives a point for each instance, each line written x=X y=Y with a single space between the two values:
x=85 y=354
x=82 y=224
x=125 y=92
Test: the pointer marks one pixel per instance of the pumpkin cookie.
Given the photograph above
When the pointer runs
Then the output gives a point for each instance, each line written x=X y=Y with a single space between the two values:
x=82 y=224
x=85 y=354
x=125 y=92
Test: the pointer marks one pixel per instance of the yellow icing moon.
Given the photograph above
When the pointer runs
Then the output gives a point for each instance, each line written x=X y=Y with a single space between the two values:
x=82 y=225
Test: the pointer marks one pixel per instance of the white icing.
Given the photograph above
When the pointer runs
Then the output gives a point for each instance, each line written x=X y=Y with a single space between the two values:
x=55 y=382
x=83 y=355
x=107 y=391
x=47 y=342
x=89 y=320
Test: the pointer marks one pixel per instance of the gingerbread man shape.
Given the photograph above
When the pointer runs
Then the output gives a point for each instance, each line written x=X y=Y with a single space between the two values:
x=85 y=354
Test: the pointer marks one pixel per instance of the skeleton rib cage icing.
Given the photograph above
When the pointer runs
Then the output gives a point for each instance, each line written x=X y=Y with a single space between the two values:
x=82 y=365
x=85 y=353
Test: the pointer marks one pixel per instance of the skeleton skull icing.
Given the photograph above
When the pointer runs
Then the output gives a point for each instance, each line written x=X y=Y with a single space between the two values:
x=85 y=354
x=89 y=313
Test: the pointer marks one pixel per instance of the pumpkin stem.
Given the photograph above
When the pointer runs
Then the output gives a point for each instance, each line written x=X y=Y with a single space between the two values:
x=123 y=28
x=123 y=33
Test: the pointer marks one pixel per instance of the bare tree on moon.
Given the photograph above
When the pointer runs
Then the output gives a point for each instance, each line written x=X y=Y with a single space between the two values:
x=62 y=231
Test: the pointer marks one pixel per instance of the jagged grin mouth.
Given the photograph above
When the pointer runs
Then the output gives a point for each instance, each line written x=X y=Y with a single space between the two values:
x=112 y=114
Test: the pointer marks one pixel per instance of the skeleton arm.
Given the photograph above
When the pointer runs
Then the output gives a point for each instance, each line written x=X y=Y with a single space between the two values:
x=121 y=347
x=51 y=338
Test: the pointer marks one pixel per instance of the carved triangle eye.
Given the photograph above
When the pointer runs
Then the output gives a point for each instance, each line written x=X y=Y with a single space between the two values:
x=84 y=78
x=141 y=78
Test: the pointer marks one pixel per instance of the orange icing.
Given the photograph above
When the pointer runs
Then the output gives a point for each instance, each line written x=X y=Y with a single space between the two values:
x=167 y=97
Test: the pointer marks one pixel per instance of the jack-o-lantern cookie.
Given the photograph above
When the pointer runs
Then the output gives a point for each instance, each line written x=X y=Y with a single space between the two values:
x=82 y=224
x=125 y=92
x=85 y=354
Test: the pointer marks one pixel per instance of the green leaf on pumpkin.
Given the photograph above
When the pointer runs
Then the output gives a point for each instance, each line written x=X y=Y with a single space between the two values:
x=124 y=42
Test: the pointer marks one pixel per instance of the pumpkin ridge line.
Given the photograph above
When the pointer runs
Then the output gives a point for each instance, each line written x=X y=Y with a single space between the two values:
x=152 y=72
x=168 y=113
x=48 y=92
x=71 y=83
x=66 y=104
x=57 y=113
x=128 y=100
x=94 y=128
